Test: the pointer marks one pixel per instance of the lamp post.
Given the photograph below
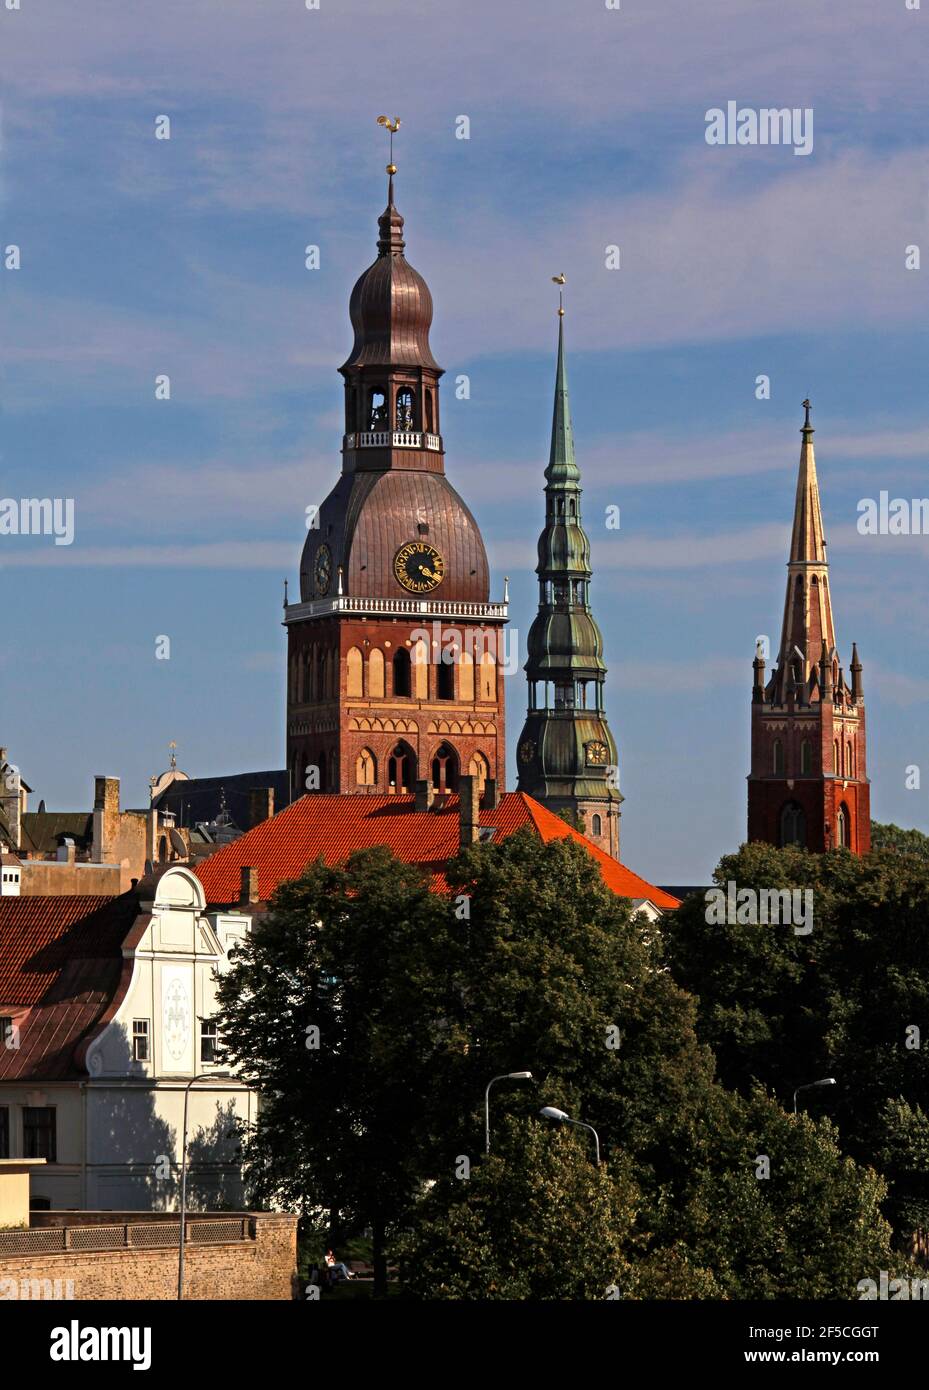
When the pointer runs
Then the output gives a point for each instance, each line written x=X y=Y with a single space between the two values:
x=506 y=1076
x=203 y=1076
x=826 y=1081
x=549 y=1112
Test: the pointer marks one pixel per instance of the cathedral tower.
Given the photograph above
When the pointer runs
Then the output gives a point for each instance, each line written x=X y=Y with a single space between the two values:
x=566 y=754
x=394 y=670
x=809 y=784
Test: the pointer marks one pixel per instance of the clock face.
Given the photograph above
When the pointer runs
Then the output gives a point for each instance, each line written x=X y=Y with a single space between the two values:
x=323 y=569
x=526 y=750
x=419 y=567
x=597 y=753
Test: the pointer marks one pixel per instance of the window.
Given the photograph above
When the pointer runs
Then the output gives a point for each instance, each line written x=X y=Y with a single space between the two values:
x=377 y=417
x=843 y=828
x=39 y=1132
x=4 y=1131
x=849 y=764
x=7 y=1034
x=402 y=672
x=209 y=1040
x=445 y=680
x=778 y=758
x=793 y=825
x=596 y=826
x=140 y=1040
x=401 y=769
x=806 y=758
x=835 y=757
x=480 y=768
x=445 y=769
x=366 y=769
x=405 y=410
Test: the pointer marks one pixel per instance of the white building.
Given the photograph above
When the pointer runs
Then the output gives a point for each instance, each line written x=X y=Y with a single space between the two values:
x=106 y=1007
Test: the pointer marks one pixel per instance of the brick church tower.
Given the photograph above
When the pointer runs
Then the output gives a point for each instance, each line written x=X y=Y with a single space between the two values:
x=566 y=754
x=394 y=649
x=809 y=783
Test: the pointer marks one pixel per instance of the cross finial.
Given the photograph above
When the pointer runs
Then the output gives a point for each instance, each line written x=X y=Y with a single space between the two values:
x=807 y=407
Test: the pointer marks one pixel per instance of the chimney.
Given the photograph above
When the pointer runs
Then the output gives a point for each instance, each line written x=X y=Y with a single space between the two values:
x=248 y=892
x=424 y=795
x=469 y=802
x=65 y=851
x=260 y=805
x=490 y=800
x=106 y=819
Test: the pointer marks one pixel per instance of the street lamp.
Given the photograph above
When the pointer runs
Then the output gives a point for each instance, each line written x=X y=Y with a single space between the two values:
x=826 y=1081
x=204 y=1076
x=549 y=1112
x=507 y=1076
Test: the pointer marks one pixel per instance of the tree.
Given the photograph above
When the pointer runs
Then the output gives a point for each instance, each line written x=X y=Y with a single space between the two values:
x=891 y=837
x=849 y=999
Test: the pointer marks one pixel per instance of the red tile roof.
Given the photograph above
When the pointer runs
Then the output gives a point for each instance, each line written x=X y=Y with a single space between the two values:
x=334 y=826
x=61 y=966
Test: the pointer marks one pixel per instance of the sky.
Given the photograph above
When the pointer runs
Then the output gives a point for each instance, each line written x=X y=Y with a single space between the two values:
x=185 y=257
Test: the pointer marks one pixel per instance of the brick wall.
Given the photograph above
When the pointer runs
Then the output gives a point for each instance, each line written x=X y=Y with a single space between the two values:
x=262 y=1268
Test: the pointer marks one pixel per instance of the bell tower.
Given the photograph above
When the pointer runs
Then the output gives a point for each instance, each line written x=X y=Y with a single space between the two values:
x=566 y=755
x=808 y=785
x=395 y=669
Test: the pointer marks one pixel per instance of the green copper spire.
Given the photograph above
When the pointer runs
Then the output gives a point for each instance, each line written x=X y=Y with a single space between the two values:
x=566 y=754
x=561 y=465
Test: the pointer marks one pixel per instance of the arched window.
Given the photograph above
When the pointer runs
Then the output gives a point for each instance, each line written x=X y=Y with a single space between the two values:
x=353 y=667
x=312 y=674
x=376 y=674
x=366 y=769
x=401 y=769
x=806 y=758
x=466 y=676
x=427 y=401
x=596 y=825
x=835 y=757
x=793 y=825
x=445 y=769
x=421 y=671
x=843 y=828
x=480 y=768
x=445 y=680
x=406 y=406
x=377 y=411
x=163 y=850
x=401 y=672
x=308 y=678
x=572 y=507
x=778 y=758
x=488 y=677
x=849 y=761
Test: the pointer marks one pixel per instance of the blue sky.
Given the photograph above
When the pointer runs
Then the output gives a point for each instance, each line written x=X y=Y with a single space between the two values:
x=185 y=257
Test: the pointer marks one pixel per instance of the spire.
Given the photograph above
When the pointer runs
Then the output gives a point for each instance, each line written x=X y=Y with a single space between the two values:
x=562 y=467
x=808 y=606
x=390 y=224
x=807 y=542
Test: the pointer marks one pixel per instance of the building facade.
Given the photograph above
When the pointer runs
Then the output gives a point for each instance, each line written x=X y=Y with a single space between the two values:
x=394 y=648
x=808 y=784
x=566 y=755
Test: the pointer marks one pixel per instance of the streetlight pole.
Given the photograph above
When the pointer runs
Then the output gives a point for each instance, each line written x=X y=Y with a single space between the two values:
x=550 y=1113
x=203 y=1076
x=506 y=1076
x=826 y=1081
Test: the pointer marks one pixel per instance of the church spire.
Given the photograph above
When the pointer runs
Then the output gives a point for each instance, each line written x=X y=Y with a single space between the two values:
x=566 y=753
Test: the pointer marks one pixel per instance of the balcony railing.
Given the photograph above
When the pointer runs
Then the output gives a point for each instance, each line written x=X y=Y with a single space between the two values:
x=392 y=439
x=150 y=1235
x=398 y=607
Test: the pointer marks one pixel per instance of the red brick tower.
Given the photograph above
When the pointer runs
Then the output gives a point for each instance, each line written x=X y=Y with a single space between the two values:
x=809 y=780
x=394 y=650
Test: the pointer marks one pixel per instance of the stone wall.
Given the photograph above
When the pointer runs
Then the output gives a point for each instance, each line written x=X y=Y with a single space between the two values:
x=262 y=1267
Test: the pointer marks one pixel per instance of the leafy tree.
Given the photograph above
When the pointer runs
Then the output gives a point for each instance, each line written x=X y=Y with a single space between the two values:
x=891 y=837
x=850 y=999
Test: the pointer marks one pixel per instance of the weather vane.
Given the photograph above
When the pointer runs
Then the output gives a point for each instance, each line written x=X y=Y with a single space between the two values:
x=393 y=126
x=560 y=281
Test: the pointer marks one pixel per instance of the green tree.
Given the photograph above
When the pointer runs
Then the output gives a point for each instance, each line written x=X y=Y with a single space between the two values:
x=891 y=837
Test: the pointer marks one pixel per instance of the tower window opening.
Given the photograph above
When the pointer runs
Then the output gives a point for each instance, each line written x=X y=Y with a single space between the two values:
x=377 y=414
x=427 y=403
x=806 y=758
x=849 y=764
x=404 y=413
x=366 y=768
x=445 y=769
x=843 y=828
x=401 y=769
x=793 y=825
x=778 y=758
x=445 y=680
x=402 y=672
x=596 y=825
